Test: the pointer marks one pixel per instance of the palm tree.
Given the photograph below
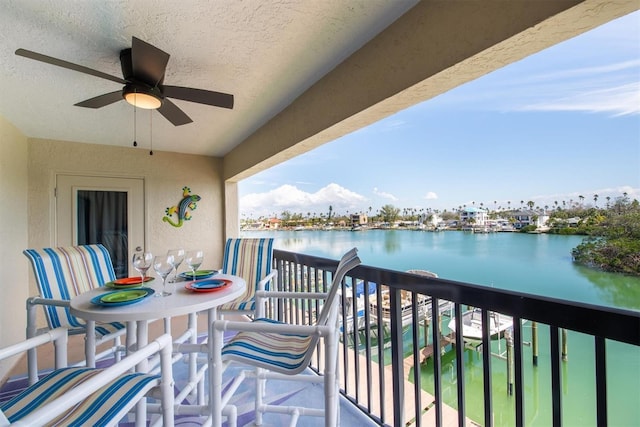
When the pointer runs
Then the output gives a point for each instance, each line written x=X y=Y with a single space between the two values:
x=595 y=200
x=389 y=213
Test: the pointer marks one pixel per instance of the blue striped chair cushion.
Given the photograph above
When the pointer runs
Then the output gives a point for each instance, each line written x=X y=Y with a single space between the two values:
x=108 y=404
x=279 y=352
x=62 y=273
x=250 y=259
x=111 y=402
x=50 y=387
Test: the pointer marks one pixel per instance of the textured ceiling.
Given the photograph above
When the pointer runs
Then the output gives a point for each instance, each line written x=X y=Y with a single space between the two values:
x=265 y=53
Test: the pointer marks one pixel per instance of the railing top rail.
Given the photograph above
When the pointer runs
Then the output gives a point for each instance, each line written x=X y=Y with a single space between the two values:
x=608 y=322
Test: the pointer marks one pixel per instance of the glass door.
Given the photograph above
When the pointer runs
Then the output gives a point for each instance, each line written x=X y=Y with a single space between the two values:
x=102 y=210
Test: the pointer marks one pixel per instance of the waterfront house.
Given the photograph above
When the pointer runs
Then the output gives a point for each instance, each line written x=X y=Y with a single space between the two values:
x=358 y=220
x=273 y=223
x=302 y=75
x=474 y=216
x=524 y=218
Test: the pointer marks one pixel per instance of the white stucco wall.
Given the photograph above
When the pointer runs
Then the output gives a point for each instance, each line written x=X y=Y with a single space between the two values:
x=13 y=237
x=164 y=174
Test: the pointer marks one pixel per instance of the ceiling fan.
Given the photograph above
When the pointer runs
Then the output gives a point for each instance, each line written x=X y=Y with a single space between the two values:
x=143 y=67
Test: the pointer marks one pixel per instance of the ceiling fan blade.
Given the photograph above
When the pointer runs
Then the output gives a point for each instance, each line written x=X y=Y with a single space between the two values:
x=201 y=96
x=102 y=100
x=175 y=115
x=149 y=63
x=68 y=65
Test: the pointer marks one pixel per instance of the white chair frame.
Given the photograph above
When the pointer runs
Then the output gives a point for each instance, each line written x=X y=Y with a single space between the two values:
x=325 y=331
x=65 y=402
x=42 y=263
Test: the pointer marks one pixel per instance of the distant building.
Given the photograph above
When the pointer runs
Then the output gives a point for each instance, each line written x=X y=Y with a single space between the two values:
x=432 y=221
x=358 y=219
x=473 y=215
x=273 y=223
x=530 y=217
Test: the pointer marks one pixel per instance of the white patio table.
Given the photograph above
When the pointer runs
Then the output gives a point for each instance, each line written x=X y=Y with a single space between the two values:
x=137 y=316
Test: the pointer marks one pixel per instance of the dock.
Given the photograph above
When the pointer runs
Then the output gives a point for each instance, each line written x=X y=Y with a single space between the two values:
x=371 y=392
x=445 y=340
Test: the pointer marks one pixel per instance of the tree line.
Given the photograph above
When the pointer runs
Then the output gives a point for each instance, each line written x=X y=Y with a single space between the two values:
x=612 y=232
x=613 y=238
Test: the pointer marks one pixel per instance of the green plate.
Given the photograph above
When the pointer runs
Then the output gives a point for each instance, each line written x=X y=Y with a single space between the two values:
x=199 y=274
x=123 y=296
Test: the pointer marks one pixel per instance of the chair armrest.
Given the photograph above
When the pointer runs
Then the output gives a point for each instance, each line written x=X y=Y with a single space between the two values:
x=279 y=328
x=262 y=296
x=58 y=336
x=292 y=295
x=60 y=405
x=261 y=303
x=266 y=279
x=48 y=301
x=32 y=302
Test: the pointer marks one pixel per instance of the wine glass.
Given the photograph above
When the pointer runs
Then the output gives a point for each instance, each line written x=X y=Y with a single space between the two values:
x=142 y=262
x=178 y=257
x=193 y=260
x=163 y=265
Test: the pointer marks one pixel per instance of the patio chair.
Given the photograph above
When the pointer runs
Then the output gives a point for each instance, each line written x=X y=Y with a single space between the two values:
x=79 y=396
x=252 y=260
x=62 y=273
x=281 y=351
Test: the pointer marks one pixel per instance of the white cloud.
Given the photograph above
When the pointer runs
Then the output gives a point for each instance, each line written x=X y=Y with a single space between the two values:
x=292 y=199
x=384 y=195
x=612 y=88
x=618 y=100
x=588 y=71
x=431 y=196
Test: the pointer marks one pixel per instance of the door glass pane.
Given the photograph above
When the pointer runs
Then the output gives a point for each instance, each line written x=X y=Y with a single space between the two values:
x=102 y=218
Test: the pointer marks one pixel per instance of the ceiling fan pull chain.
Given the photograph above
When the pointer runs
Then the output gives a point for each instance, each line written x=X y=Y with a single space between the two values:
x=135 y=130
x=150 y=134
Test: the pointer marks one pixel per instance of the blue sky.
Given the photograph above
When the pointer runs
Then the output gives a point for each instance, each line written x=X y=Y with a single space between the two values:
x=556 y=125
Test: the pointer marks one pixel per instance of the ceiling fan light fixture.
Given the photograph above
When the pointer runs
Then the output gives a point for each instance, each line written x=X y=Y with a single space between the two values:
x=142 y=97
x=143 y=70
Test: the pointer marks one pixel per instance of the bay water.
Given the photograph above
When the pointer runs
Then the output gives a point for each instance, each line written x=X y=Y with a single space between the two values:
x=537 y=264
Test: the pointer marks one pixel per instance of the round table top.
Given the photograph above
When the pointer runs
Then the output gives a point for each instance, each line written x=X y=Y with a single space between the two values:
x=182 y=301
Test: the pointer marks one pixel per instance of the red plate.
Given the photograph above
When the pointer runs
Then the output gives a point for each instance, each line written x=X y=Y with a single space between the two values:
x=207 y=285
x=131 y=280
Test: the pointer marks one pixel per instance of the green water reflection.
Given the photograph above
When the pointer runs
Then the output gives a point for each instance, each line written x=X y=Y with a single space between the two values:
x=616 y=289
x=535 y=264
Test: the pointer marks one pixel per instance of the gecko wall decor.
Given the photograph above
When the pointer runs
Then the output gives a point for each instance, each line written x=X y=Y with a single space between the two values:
x=188 y=202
